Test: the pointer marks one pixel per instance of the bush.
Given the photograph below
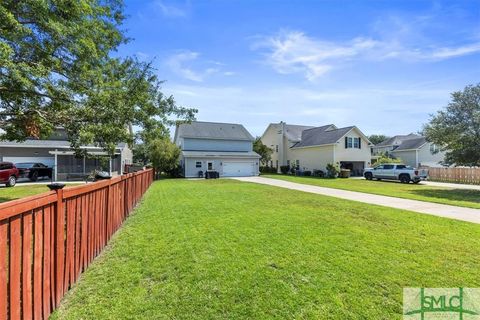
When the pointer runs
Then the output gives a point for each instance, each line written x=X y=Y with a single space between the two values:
x=318 y=173
x=284 y=169
x=293 y=170
x=307 y=173
x=385 y=158
x=332 y=170
x=267 y=169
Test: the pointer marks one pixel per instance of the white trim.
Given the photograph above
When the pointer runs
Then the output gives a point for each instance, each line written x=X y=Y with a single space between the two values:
x=50 y=147
x=70 y=153
x=317 y=145
x=409 y=149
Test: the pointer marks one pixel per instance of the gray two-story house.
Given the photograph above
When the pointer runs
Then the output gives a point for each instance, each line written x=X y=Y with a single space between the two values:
x=223 y=147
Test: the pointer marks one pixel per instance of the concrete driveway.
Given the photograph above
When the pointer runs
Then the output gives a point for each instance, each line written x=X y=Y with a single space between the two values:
x=441 y=210
x=437 y=184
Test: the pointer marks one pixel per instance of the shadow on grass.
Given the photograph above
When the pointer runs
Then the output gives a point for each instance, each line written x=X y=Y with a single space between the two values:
x=453 y=194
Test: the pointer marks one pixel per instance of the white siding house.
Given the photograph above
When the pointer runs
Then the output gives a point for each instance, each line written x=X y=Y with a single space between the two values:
x=310 y=148
x=223 y=147
x=414 y=150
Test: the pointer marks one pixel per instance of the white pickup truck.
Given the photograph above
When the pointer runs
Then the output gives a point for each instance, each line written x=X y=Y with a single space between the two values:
x=396 y=171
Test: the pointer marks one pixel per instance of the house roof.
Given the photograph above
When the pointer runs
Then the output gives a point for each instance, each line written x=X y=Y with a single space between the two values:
x=221 y=154
x=293 y=132
x=213 y=130
x=50 y=144
x=321 y=136
x=397 y=140
x=411 y=144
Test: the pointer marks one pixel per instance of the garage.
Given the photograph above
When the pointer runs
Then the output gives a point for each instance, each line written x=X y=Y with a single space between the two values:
x=238 y=169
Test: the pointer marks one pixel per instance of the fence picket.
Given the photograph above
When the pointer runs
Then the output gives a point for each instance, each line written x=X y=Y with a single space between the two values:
x=455 y=175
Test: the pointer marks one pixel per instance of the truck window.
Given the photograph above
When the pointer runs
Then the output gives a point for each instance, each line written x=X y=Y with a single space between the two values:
x=401 y=166
x=378 y=167
x=388 y=166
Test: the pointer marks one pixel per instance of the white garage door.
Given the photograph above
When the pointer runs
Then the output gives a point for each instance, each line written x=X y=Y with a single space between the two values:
x=49 y=161
x=238 y=169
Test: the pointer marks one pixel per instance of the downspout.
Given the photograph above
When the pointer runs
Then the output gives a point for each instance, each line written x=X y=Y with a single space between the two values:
x=280 y=146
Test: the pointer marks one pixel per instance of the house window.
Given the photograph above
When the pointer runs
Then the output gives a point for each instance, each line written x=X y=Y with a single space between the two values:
x=288 y=163
x=276 y=148
x=356 y=142
x=352 y=142
x=198 y=164
x=433 y=148
x=297 y=164
x=210 y=166
x=276 y=164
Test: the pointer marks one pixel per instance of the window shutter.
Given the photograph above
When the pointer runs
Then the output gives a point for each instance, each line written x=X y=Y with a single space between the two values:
x=346 y=142
x=359 y=143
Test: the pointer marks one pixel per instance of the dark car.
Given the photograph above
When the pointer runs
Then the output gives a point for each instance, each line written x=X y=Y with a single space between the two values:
x=8 y=174
x=33 y=170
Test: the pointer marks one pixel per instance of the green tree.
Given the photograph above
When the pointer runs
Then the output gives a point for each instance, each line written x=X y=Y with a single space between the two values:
x=164 y=155
x=56 y=69
x=264 y=151
x=377 y=138
x=456 y=128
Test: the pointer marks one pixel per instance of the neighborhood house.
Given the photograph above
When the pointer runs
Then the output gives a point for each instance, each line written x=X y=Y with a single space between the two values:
x=226 y=148
x=56 y=153
x=413 y=149
x=312 y=148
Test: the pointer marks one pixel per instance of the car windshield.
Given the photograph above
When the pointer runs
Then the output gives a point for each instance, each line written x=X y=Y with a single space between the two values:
x=25 y=165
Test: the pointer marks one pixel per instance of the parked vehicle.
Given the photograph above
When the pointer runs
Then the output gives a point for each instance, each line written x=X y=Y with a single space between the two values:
x=8 y=174
x=395 y=171
x=33 y=170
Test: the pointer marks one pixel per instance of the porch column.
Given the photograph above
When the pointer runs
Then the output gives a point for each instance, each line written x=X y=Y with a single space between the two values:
x=55 y=166
x=110 y=165
x=84 y=164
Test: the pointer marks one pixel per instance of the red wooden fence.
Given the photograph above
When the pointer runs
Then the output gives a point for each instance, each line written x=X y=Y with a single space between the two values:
x=48 y=240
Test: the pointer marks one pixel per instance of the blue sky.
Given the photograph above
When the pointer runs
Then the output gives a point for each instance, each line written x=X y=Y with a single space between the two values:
x=384 y=66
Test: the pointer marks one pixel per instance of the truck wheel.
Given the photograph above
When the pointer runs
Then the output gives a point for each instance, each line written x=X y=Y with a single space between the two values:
x=404 y=178
x=34 y=176
x=12 y=181
x=368 y=176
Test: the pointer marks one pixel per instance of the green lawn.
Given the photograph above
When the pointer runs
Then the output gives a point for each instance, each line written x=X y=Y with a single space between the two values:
x=19 y=191
x=7 y=194
x=456 y=197
x=224 y=249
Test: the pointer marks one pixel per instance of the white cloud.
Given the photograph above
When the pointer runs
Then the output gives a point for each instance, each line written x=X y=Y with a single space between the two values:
x=170 y=10
x=188 y=65
x=256 y=106
x=295 y=52
x=177 y=62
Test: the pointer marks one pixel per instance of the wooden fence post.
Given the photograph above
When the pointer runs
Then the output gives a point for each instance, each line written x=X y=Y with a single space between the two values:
x=59 y=246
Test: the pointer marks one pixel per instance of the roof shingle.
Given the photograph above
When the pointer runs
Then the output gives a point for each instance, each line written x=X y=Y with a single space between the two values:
x=213 y=130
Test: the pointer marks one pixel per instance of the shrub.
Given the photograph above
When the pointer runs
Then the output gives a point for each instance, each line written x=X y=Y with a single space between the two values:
x=267 y=169
x=386 y=158
x=318 y=173
x=332 y=170
x=284 y=169
x=307 y=173
x=293 y=170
